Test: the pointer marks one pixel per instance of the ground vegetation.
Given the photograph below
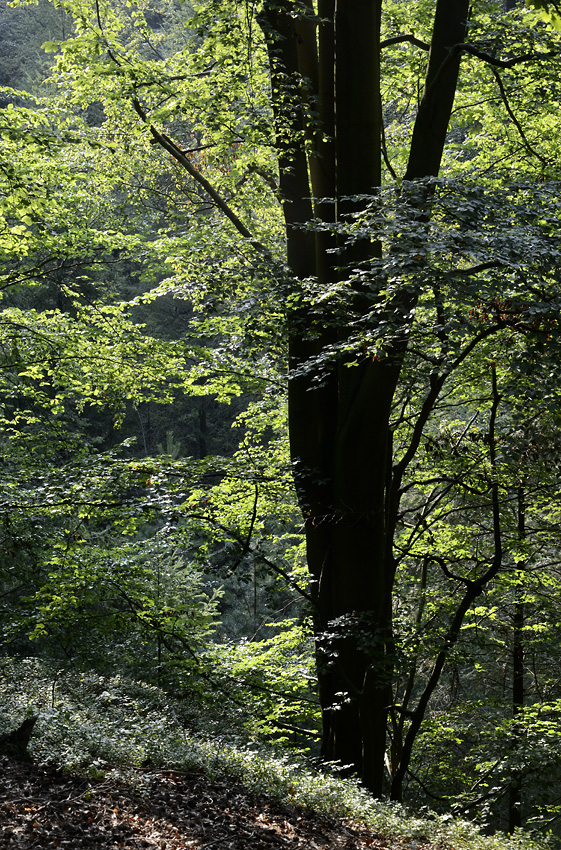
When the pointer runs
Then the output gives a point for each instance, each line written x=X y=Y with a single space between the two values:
x=279 y=351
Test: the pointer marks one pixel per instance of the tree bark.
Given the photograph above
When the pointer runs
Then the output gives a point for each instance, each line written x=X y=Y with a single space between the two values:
x=340 y=425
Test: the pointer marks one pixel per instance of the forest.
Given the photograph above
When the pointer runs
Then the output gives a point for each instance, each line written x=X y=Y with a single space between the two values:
x=280 y=392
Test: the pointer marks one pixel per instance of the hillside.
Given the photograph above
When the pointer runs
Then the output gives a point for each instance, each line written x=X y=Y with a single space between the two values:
x=169 y=810
x=116 y=764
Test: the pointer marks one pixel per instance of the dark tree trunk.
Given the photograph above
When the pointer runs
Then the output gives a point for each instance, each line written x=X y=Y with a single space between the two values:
x=515 y=790
x=15 y=744
x=431 y=125
x=339 y=427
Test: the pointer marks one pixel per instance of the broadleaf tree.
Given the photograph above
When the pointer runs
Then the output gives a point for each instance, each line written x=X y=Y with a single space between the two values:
x=391 y=263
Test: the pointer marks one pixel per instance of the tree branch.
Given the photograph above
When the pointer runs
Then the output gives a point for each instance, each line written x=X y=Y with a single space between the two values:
x=249 y=550
x=501 y=63
x=183 y=158
x=436 y=559
x=515 y=120
x=384 y=147
x=399 y=39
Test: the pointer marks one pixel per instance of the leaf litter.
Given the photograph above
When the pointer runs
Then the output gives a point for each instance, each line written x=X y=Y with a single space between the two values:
x=43 y=807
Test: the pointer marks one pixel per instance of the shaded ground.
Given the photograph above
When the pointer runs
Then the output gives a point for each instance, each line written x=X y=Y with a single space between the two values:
x=42 y=807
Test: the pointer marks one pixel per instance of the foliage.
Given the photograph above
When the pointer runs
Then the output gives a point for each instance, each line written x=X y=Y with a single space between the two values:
x=109 y=725
x=148 y=513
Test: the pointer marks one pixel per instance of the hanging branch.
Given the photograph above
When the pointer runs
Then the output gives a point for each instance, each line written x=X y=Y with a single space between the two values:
x=183 y=156
x=515 y=120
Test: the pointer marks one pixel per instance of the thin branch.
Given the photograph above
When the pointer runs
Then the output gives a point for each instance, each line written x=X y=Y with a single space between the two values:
x=275 y=567
x=385 y=150
x=400 y=709
x=515 y=120
x=399 y=39
x=501 y=63
x=495 y=501
x=472 y=591
x=432 y=395
x=174 y=78
x=12 y=590
x=246 y=548
x=429 y=793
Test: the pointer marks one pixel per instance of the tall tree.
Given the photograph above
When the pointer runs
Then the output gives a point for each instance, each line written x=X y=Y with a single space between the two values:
x=340 y=430
x=354 y=283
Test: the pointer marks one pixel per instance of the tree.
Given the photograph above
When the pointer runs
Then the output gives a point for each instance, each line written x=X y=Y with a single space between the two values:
x=389 y=289
x=348 y=479
x=340 y=431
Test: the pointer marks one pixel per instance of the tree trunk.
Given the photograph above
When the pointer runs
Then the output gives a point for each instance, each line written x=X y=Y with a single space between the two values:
x=340 y=425
x=15 y=744
x=325 y=86
x=515 y=790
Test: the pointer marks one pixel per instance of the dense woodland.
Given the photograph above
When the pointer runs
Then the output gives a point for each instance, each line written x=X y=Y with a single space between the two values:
x=280 y=378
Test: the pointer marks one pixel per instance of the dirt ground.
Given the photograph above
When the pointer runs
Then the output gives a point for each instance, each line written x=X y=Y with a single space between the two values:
x=43 y=807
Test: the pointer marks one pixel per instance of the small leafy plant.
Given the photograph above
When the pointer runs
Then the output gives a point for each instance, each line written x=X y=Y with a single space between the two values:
x=112 y=726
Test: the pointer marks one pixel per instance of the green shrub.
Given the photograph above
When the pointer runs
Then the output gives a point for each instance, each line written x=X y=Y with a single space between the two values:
x=111 y=726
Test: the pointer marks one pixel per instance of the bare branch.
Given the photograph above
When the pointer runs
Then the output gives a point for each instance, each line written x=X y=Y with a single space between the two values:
x=501 y=63
x=399 y=39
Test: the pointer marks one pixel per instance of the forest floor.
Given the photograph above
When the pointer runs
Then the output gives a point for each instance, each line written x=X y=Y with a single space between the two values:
x=43 y=807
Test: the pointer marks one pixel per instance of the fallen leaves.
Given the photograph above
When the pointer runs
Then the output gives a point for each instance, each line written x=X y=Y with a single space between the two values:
x=41 y=807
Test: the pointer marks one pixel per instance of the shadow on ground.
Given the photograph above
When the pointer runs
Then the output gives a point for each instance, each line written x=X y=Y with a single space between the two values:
x=43 y=807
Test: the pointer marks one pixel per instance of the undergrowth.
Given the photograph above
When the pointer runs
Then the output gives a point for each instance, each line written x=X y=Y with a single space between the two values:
x=110 y=727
